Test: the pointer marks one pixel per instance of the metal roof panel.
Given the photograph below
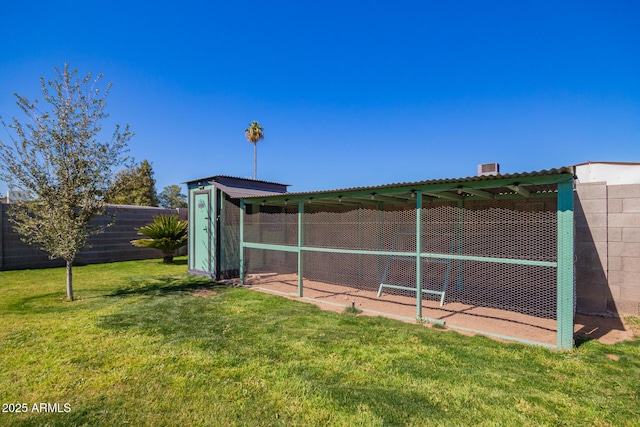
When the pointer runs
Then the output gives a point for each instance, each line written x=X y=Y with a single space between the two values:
x=549 y=172
x=216 y=177
x=239 y=193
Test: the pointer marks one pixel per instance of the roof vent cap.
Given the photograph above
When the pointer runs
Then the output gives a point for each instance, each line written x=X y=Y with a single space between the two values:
x=486 y=169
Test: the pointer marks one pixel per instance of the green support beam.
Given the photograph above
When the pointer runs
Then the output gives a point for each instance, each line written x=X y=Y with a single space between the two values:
x=366 y=201
x=479 y=193
x=380 y=198
x=459 y=233
x=345 y=201
x=520 y=190
x=353 y=201
x=428 y=188
x=445 y=195
x=565 y=270
x=300 y=244
x=515 y=261
x=418 y=257
x=334 y=202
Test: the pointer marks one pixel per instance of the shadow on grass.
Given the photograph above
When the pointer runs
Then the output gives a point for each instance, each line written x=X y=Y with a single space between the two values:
x=581 y=340
x=57 y=302
x=38 y=304
x=164 y=285
x=175 y=262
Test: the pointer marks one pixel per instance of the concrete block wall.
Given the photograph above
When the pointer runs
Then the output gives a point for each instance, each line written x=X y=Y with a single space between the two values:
x=608 y=248
x=113 y=245
x=624 y=246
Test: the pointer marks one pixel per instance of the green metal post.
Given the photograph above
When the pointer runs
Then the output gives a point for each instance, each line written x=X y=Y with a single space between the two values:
x=565 y=270
x=242 y=212
x=360 y=241
x=379 y=218
x=300 y=244
x=459 y=235
x=418 y=252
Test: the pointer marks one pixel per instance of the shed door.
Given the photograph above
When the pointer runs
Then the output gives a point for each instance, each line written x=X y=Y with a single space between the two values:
x=202 y=233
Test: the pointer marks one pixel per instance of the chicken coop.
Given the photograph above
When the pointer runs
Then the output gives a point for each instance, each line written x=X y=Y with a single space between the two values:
x=490 y=254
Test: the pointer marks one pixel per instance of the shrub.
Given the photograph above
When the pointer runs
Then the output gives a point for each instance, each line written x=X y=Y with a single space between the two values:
x=166 y=233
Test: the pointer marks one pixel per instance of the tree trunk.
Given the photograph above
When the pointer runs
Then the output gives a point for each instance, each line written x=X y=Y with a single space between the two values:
x=69 y=280
x=168 y=259
x=255 y=161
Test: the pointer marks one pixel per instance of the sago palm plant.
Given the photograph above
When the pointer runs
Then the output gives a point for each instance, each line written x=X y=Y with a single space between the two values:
x=166 y=233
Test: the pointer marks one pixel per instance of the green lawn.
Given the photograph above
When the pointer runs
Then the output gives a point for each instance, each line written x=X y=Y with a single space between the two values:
x=144 y=345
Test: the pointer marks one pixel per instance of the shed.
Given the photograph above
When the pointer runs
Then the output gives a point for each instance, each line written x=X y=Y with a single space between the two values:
x=214 y=218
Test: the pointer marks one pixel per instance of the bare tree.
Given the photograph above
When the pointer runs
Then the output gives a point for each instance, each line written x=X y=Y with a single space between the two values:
x=58 y=157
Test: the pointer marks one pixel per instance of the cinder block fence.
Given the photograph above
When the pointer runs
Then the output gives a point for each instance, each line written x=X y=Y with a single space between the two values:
x=113 y=245
x=608 y=248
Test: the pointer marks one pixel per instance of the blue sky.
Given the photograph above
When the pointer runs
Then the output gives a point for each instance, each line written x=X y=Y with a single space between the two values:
x=349 y=93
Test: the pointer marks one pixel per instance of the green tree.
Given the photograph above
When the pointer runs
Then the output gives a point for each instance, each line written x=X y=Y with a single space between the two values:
x=171 y=197
x=57 y=155
x=166 y=233
x=134 y=185
x=254 y=133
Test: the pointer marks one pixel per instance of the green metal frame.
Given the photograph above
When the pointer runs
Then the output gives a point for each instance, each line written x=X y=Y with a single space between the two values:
x=432 y=259
x=436 y=255
x=565 y=241
x=436 y=190
x=418 y=254
x=565 y=271
x=300 y=245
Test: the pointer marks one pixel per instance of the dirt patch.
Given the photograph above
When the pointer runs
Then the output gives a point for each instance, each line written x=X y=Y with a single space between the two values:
x=466 y=319
x=202 y=292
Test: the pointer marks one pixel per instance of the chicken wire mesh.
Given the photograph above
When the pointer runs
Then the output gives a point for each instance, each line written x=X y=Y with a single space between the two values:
x=505 y=231
x=361 y=228
x=521 y=229
x=269 y=263
x=229 y=237
x=271 y=224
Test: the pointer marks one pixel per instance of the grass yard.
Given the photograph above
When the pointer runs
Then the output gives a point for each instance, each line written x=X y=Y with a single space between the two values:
x=147 y=345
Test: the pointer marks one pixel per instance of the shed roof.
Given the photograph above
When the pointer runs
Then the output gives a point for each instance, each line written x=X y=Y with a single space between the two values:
x=227 y=178
x=239 y=193
x=241 y=187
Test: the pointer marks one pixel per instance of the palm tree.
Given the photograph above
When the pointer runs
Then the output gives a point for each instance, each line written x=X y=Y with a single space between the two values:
x=254 y=134
x=166 y=233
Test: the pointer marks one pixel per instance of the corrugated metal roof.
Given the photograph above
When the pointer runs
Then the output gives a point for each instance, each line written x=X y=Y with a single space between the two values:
x=215 y=177
x=239 y=193
x=549 y=172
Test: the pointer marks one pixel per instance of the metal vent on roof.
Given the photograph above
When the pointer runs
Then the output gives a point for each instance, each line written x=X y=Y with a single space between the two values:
x=488 y=169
